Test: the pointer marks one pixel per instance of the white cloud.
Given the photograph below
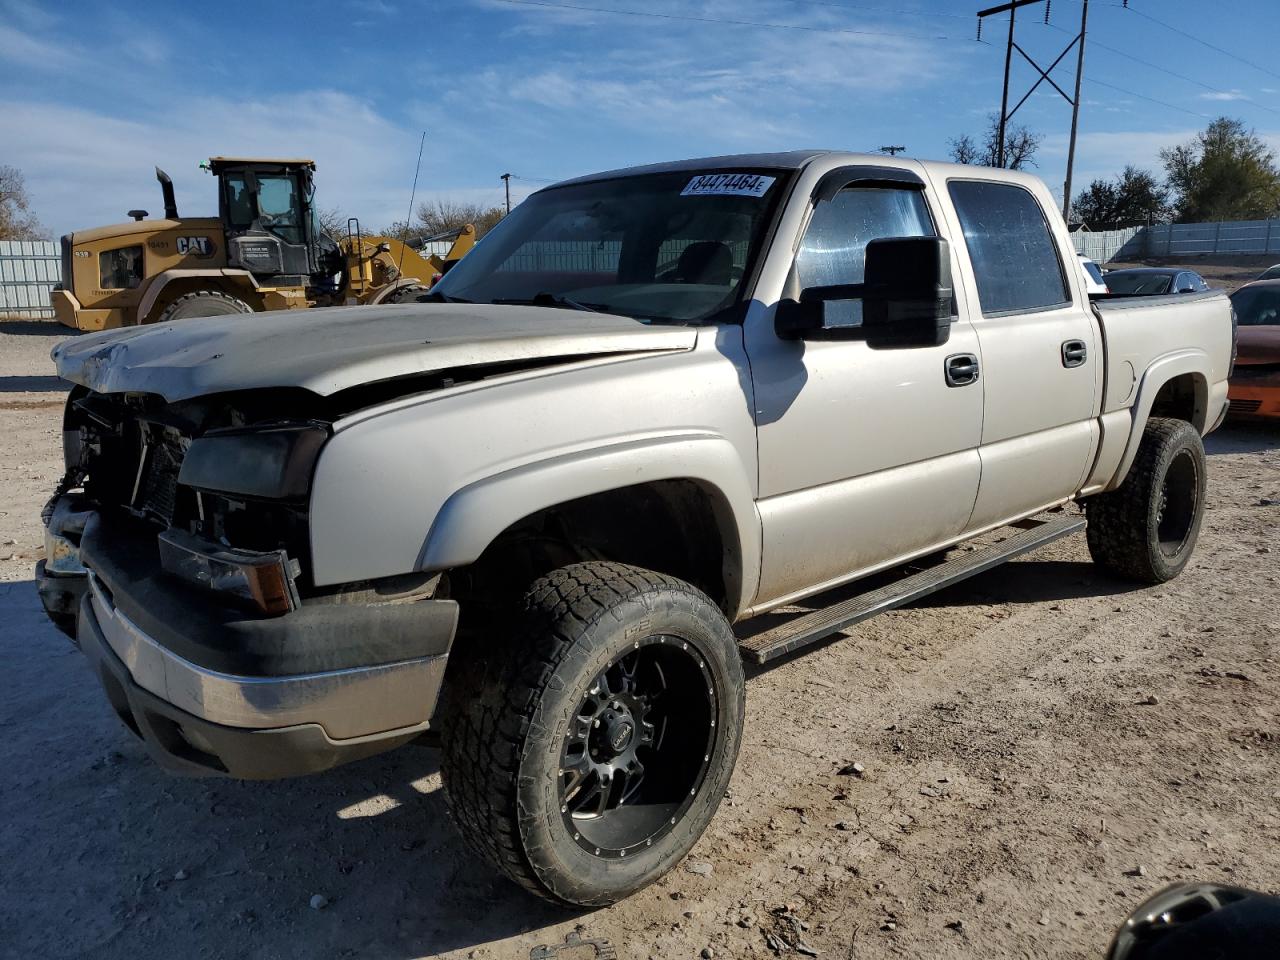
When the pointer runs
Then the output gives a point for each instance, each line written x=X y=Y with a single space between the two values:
x=85 y=168
x=1223 y=95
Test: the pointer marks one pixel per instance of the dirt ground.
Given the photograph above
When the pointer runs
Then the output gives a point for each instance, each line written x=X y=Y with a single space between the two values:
x=1042 y=747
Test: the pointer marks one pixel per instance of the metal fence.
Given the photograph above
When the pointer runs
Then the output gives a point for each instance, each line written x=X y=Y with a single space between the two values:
x=1236 y=236
x=28 y=271
x=1104 y=245
x=1256 y=237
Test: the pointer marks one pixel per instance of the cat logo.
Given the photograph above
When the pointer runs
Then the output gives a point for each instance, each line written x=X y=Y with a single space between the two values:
x=201 y=247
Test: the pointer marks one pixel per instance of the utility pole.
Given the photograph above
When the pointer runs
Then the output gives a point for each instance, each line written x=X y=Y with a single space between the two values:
x=892 y=151
x=1006 y=114
x=506 y=181
x=1075 y=115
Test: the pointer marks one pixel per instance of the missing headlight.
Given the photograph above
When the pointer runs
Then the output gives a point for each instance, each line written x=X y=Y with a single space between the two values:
x=268 y=462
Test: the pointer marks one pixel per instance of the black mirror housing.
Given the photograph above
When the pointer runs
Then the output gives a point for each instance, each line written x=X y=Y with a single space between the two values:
x=906 y=298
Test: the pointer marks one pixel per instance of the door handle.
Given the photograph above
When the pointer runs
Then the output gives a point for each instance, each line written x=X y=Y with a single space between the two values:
x=1074 y=353
x=961 y=369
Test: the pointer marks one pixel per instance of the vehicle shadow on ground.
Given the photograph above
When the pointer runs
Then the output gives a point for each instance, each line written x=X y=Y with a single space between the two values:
x=33 y=385
x=36 y=328
x=157 y=863
x=1243 y=436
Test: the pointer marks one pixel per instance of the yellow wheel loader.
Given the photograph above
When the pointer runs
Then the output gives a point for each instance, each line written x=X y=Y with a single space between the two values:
x=264 y=251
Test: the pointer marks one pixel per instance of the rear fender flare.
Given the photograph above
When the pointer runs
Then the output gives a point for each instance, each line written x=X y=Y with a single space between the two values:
x=1160 y=372
x=473 y=516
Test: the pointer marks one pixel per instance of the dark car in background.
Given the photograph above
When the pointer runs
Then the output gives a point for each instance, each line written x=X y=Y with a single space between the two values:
x=1153 y=281
x=1255 y=381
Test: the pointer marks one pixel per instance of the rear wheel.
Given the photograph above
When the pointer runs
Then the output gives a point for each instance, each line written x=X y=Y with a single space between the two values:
x=203 y=303
x=586 y=754
x=1146 y=528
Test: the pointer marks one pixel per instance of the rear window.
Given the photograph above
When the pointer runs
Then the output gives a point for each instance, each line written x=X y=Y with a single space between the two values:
x=1014 y=257
x=1092 y=270
x=1139 y=284
x=1257 y=306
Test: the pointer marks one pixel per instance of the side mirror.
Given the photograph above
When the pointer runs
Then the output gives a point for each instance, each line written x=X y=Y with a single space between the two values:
x=906 y=297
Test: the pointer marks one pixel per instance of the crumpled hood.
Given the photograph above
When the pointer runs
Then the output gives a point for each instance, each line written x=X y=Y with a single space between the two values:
x=329 y=350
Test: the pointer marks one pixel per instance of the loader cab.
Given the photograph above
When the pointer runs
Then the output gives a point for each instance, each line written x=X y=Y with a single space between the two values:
x=267 y=212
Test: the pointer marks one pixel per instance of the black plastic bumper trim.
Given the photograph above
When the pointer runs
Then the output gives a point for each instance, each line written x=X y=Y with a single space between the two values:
x=312 y=639
x=189 y=745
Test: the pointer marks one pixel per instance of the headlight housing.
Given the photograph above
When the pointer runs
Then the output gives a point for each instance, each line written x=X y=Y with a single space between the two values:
x=273 y=463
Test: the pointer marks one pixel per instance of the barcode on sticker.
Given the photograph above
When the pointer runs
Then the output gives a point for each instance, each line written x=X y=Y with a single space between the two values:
x=727 y=185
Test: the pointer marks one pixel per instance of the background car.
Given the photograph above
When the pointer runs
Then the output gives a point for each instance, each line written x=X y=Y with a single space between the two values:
x=1271 y=273
x=1151 y=281
x=1093 y=279
x=1255 y=383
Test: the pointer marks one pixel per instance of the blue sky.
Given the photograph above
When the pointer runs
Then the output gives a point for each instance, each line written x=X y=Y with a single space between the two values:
x=94 y=95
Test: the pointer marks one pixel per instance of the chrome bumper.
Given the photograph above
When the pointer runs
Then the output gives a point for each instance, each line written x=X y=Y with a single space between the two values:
x=347 y=704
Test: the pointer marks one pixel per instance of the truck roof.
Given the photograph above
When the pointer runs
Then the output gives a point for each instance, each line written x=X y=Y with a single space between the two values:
x=796 y=159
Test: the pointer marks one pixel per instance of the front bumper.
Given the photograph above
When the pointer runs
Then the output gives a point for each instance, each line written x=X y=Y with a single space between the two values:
x=212 y=690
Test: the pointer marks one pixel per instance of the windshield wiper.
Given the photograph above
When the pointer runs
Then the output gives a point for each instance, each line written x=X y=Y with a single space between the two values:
x=545 y=299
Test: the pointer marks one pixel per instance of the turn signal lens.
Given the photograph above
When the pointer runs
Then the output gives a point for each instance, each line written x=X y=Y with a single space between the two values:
x=264 y=581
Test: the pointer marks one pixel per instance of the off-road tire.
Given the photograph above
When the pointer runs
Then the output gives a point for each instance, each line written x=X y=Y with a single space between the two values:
x=510 y=699
x=1125 y=526
x=411 y=293
x=203 y=303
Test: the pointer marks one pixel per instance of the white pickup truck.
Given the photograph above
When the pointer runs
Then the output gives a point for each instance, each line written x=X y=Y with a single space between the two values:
x=526 y=515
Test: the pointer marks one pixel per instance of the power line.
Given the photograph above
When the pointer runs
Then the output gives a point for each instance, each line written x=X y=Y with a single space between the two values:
x=1172 y=73
x=741 y=23
x=888 y=10
x=1140 y=96
x=1202 y=42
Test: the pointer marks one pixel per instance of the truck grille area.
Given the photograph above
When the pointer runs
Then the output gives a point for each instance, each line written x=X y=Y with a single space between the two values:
x=155 y=493
x=131 y=450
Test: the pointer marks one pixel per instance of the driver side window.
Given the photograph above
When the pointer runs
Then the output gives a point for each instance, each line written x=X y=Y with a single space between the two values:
x=834 y=248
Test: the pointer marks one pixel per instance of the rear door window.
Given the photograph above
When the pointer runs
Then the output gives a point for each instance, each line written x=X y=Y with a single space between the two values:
x=1015 y=260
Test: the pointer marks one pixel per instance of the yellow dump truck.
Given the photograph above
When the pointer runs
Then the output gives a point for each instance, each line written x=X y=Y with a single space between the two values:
x=265 y=250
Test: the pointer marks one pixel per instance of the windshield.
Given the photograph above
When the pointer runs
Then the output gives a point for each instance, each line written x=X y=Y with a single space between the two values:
x=1257 y=306
x=1142 y=284
x=667 y=247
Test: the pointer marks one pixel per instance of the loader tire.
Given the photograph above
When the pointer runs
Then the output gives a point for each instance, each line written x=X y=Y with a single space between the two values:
x=1146 y=528
x=203 y=303
x=409 y=294
x=586 y=750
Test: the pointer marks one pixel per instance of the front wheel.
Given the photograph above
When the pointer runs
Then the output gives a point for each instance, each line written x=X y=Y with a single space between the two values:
x=585 y=754
x=203 y=303
x=1146 y=528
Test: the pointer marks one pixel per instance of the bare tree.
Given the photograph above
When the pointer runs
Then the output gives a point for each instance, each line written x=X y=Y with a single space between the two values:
x=441 y=216
x=17 y=222
x=1020 y=147
x=333 y=222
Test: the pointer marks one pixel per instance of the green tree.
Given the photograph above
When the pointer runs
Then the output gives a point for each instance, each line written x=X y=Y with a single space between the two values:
x=17 y=222
x=1225 y=173
x=1020 y=146
x=1136 y=196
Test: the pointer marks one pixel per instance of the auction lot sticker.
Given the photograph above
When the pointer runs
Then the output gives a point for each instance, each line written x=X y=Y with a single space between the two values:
x=727 y=185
